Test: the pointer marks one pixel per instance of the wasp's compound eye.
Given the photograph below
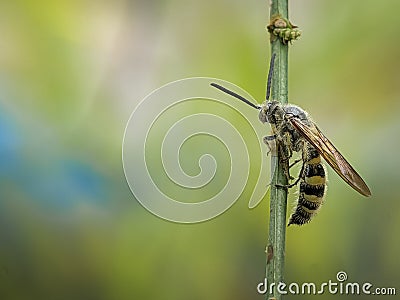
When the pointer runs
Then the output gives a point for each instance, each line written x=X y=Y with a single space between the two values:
x=262 y=116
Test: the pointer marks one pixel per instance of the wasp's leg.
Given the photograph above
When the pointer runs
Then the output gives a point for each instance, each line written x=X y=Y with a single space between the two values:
x=295 y=162
x=288 y=186
x=285 y=154
x=268 y=138
x=282 y=142
x=270 y=141
x=286 y=151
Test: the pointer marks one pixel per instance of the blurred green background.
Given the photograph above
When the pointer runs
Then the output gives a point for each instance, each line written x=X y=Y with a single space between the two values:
x=71 y=73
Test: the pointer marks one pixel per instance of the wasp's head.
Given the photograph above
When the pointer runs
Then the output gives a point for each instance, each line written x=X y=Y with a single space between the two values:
x=270 y=112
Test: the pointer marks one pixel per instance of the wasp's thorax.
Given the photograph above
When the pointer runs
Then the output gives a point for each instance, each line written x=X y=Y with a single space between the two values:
x=274 y=112
x=278 y=116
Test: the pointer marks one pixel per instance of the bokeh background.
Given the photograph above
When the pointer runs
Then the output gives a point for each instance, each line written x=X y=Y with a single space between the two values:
x=71 y=73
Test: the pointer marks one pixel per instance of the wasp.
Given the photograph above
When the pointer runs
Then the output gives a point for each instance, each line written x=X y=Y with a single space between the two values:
x=295 y=131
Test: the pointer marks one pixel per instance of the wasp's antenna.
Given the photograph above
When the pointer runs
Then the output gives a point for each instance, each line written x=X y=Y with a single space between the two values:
x=271 y=70
x=229 y=92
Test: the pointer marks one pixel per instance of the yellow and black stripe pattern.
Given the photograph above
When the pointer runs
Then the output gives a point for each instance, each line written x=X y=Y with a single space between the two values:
x=312 y=186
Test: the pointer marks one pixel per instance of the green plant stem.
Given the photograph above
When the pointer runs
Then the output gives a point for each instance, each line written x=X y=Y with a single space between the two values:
x=278 y=200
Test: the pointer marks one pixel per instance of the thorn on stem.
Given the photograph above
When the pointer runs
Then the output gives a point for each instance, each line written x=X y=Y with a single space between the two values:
x=270 y=253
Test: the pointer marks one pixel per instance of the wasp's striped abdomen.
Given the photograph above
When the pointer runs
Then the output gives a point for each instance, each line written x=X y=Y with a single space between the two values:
x=312 y=187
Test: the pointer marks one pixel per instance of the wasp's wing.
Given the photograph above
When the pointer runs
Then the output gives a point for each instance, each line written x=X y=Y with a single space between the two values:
x=333 y=157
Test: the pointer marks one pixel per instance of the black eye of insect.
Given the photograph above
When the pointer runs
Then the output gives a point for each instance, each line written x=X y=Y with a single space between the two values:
x=262 y=116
